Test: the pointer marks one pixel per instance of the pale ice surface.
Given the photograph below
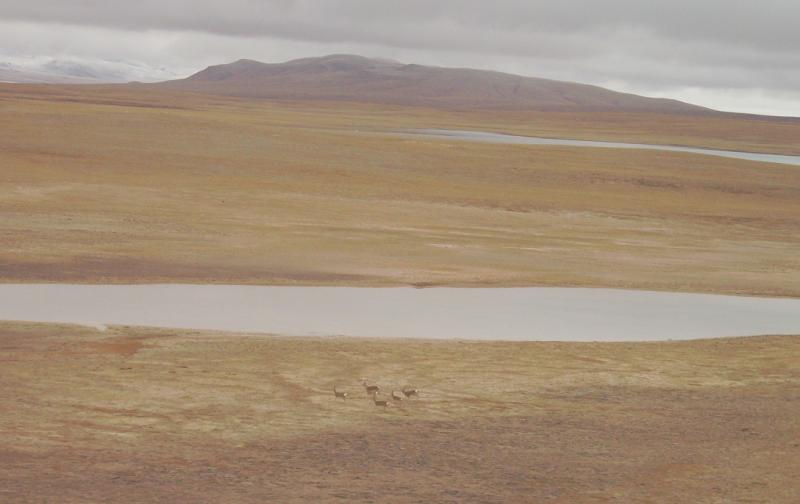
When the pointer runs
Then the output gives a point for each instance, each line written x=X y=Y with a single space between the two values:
x=520 y=314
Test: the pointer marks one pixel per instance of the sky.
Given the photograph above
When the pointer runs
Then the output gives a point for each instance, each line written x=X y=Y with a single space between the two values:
x=737 y=55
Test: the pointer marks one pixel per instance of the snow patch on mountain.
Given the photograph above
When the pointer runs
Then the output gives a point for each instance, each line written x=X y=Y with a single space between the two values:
x=71 y=69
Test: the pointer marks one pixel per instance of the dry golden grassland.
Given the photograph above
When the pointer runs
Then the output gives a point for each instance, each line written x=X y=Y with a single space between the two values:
x=133 y=185
x=153 y=415
x=128 y=184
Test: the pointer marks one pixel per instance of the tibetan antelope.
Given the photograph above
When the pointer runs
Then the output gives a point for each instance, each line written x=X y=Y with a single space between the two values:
x=338 y=395
x=379 y=402
x=371 y=389
x=408 y=391
x=396 y=397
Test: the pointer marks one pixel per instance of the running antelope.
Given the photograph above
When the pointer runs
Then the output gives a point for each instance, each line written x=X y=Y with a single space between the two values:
x=342 y=395
x=396 y=397
x=371 y=389
x=379 y=402
x=411 y=392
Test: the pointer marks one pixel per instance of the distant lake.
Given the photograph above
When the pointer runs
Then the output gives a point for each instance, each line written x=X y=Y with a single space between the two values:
x=480 y=136
x=521 y=314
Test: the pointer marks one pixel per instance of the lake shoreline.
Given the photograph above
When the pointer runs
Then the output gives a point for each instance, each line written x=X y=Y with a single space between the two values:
x=512 y=139
x=390 y=284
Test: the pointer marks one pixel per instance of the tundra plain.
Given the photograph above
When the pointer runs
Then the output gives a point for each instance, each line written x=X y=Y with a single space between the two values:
x=135 y=184
x=153 y=415
x=129 y=184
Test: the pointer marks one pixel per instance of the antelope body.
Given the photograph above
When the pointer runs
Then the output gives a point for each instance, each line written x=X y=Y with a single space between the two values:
x=379 y=402
x=339 y=395
x=371 y=389
x=408 y=392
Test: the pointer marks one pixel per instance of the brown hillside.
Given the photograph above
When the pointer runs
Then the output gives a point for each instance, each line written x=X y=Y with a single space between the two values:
x=359 y=79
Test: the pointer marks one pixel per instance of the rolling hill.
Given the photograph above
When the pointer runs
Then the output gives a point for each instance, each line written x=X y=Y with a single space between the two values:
x=359 y=79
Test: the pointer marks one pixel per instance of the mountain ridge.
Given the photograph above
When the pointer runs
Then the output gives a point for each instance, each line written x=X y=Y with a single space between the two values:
x=344 y=77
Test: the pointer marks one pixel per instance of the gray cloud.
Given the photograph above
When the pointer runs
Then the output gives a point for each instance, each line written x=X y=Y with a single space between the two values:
x=768 y=24
x=645 y=46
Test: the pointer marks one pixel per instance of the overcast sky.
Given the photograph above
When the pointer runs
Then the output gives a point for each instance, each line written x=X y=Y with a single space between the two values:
x=741 y=55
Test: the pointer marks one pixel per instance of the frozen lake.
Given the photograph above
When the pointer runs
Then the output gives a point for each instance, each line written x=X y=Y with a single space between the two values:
x=480 y=136
x=533 y=314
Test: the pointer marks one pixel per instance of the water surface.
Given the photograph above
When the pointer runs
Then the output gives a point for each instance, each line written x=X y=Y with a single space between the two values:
x=481 y=136
x=565 y=314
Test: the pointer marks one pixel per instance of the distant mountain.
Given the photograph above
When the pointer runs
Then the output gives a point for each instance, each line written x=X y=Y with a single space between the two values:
x=11 y=73
x=69 y=71
x=360 y=79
